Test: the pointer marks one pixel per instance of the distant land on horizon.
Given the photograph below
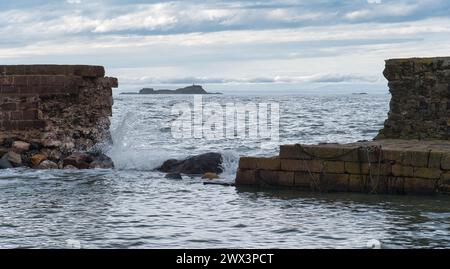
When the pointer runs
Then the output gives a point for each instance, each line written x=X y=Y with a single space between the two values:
x=194 y=89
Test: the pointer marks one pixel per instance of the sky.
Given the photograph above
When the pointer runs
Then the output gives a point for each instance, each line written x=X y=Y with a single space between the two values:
x=236 y=44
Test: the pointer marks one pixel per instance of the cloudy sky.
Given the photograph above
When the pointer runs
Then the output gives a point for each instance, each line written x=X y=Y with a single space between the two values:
x=246 y=43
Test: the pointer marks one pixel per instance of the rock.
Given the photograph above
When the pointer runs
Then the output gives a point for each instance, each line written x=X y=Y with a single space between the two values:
x=47 y=165
x=20 y=147
x=8 y=142
x=70 y=167
x=4 y=163
x=210 y=176
x=83 y=160
x=36 y=159
x=80 y=160
x=194 y=89
x=174 y=176
x=147 y=91
x=3 y=151
x=200 y=164
x=51 y=143
x=54 y=155
x=35 y=146
x=101 y=161
x=14 y=158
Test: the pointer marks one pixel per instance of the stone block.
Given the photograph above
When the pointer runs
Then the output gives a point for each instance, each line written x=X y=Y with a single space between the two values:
x=399 y=170
x=357 y=183
x=420 y=186
x=286 y=179
x=429 y=173
x=246 y=177
x=304 y=180
x=445 y=161
x=334 y=167
x=268 y=163
x=314 y=166
x=292 y=152
x=416 y=158
x=434 y=160
x=248 y=163
x=292 y=165
x=353 y=168
x=268 y=178
x=394 y=155
x=334 y=182
x=395 y=185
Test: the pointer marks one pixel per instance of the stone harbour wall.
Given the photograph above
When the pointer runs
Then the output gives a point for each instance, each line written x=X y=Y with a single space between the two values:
x=410 y=155
x=54 y=109
x=379 y=167
x=420 y=104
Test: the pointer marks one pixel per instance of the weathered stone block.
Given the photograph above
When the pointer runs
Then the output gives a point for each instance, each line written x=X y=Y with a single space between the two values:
x=292 y=165
x=246 y=177
x=434 y=160
x=416 y=158
x=248 y=162
x=292 y=152
x=394 y=155
x=357 y=183
x=353 y=168
x=430 y=173
x=399 y=170
x=395 y=185
x=420 y=186
x=286 y=179
x=268 y=177
x=334 y=167
x=268 y=163
x=334 y=182
x=445 y=161
x=304 y=180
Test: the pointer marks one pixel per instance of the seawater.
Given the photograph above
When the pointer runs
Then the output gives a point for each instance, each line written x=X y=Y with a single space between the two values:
x=133 y=206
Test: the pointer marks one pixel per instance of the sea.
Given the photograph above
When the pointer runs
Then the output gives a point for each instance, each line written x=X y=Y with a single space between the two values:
x=134 y=206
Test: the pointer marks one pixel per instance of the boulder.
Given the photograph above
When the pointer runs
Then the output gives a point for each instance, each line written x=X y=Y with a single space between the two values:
x=84 y=160
x=47 y=164
x=3 y=151
x=100 y=160
x=195 y=165
x=70 y=167
x=14 y=158
x=36 y=159
x=20 y=146
x=80 y=160
x=4 y=163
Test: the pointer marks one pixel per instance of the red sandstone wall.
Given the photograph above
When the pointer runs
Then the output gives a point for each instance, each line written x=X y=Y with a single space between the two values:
x=64 y=106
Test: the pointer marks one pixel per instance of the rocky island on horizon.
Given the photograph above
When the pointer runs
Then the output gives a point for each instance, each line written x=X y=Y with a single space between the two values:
x=194 y=89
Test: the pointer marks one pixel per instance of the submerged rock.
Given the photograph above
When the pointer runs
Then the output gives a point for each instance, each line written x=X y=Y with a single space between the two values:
x=70 y=167
x=85 y=160
x=80 y=160
x=100 y=160
x=199 y=165
x=47 y=164
x=174 y=176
